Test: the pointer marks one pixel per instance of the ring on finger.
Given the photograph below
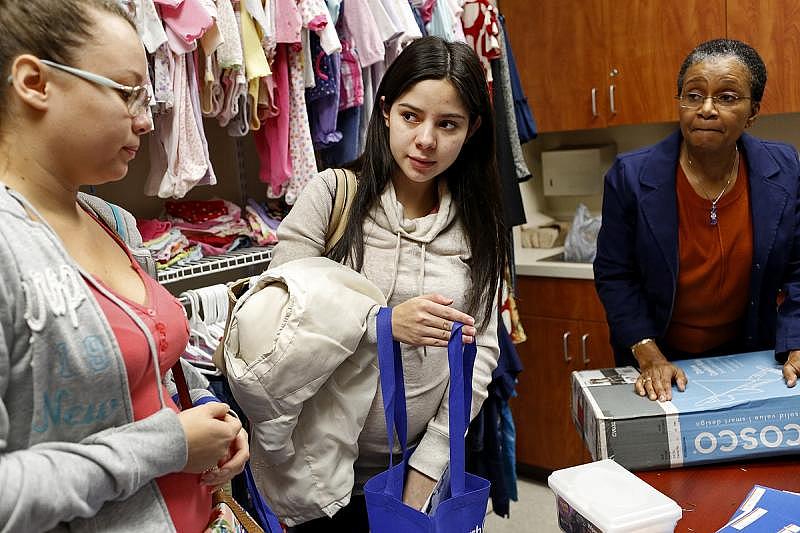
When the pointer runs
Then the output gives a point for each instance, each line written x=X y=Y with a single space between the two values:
x=648 y=378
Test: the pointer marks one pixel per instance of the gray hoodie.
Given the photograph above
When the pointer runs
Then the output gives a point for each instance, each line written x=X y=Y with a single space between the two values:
x=71 y=456
x=404 y=258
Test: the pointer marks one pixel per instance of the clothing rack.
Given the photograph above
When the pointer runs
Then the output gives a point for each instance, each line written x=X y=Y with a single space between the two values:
x=218 y=263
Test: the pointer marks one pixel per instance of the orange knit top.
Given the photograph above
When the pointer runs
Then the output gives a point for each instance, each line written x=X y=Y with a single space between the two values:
x=714 y=267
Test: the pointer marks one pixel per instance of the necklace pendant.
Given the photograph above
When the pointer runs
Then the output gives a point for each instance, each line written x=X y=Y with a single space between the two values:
x=713 y=216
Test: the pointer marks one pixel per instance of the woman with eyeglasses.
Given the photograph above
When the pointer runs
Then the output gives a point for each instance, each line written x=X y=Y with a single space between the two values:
x=90 y=439
x=699 y=250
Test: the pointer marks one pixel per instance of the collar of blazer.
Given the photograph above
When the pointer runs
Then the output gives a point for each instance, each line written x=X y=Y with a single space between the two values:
x=769 y=194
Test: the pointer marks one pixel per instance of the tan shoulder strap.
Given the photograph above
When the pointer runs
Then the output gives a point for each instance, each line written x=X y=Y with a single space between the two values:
x=346 y=185
x=235 y=290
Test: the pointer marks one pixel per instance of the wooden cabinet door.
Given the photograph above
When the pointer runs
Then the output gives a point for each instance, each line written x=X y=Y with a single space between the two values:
x=558 y=47
x=646 y=43
x=595 y=351
x=771 y=27
x=546 y=437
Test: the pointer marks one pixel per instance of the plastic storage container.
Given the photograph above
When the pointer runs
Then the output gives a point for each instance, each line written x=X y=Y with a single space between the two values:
x=604 y=497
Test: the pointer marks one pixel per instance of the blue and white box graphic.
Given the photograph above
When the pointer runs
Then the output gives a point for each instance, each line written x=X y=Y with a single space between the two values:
x=766 y=509
x=734 y=406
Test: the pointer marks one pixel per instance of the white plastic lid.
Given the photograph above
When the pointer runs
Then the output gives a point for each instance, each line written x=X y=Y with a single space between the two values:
x=612 y=498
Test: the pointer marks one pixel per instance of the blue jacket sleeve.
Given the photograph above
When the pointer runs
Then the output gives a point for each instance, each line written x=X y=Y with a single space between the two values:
x=788 y=324
x=617 y=272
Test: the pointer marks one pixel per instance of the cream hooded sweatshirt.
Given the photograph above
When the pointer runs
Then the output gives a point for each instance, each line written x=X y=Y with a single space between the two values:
x=404 y=259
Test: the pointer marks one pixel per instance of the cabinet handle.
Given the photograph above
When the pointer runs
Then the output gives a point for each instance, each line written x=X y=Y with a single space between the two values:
x=567 y=358
x=584 y=352
x=594 y=101
x=611 y=90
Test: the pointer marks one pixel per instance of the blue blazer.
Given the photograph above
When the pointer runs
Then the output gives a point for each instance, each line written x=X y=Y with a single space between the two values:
x=636 y=267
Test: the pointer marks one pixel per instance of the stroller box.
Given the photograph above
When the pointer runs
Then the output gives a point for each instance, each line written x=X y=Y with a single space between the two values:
x=734 y=407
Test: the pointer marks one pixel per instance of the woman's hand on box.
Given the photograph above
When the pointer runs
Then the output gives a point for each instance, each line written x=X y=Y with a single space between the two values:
x=791 y=370
x=657 y=374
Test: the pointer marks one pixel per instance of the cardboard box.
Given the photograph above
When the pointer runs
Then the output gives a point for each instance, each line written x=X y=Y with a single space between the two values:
x=734 y=407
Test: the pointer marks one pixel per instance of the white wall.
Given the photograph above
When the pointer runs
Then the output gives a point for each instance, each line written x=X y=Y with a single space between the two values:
x=784 y=128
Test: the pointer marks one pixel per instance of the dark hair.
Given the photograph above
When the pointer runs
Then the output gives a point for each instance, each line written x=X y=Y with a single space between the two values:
x=48 y=29
x=719 y=48
x=472 y=179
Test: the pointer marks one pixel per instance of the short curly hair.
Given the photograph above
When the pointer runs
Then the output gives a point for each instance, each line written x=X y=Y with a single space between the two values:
x=718 y=48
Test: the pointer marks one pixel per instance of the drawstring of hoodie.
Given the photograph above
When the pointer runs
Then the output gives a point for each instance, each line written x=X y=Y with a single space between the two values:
x=421 y=278
x=420 y=288
x=396 y=266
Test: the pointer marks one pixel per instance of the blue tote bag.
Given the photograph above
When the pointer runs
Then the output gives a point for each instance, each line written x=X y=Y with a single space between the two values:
x=462 y=502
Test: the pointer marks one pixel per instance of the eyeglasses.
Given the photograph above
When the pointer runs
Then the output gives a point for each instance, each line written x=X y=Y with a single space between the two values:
x=136 y=97
x=721 y=101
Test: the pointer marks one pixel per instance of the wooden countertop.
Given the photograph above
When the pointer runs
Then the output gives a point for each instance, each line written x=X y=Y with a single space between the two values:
x=710 y=494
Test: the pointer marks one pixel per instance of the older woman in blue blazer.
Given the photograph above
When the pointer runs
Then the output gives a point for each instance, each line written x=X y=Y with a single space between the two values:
x=699 y=251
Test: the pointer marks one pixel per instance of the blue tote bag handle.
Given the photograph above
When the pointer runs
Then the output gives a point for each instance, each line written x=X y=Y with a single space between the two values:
x=393 y=392
x=264 y=514
x=461 y=359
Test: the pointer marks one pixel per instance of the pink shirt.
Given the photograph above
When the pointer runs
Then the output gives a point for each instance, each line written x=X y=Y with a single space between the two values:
x=188 y=502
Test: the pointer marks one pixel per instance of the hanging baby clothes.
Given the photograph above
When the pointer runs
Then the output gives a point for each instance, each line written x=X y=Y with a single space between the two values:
x=323 y=98
x=356 y=17
x=163 y=95
x=288 y=23
x=256 y=10
x=148 y=25
x=526 y=124
x=209 y=74
x=502 y=89
x=481 y=30
x=387 y=29
x=369 y=102
x=314 y=16
x=351 y=87
x=272 y=140
x=405 y=21
x=444 y=22
x=178 y=160
x=255 y=63
x=360 y=29
x=185 y=23
x=418 y=19
x=212 y=38
x=351 y=98
x=308 y=61
x=425 y=10
x=229 y=53
x=440 y=21
x=304 y=163
x=209 y=178
x=317 y=18
x=457 y=11
x=235 y=116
